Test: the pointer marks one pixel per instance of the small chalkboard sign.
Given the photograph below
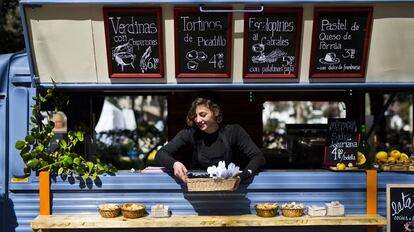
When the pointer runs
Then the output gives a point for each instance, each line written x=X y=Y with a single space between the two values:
x=272 y=43
x=340 y=42
x=400 y=207
x=202 y=43
x=342 y=142
x=134 y=42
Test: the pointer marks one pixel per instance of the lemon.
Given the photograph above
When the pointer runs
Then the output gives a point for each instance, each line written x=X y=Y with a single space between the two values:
x=361 y=159
x=391 y=159
x=381 y=156
x=151 y=155
x=395 y=153
x=404 y=157
x=340 y=166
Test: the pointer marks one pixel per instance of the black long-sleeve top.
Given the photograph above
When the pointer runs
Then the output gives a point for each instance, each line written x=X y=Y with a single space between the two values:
x=209 y=149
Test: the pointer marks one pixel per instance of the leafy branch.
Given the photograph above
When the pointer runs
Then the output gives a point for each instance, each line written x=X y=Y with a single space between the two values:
x=36 y=151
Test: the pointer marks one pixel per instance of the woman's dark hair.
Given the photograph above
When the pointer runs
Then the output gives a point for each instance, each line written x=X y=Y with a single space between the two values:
x=214 y=107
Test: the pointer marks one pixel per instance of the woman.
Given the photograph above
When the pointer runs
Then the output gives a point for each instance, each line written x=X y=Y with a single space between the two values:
x=211 y=142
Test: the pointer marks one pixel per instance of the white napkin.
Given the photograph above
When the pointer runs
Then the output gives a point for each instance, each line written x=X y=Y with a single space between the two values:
x=222 y=172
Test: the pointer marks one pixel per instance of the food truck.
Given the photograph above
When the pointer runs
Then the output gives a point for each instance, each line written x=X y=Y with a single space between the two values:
x=158 y=56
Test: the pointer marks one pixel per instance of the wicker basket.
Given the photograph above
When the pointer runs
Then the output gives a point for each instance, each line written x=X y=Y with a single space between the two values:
x=210 y=184
x=109 y=210
x=266 y=210
x=133 y=210
x=292 y=212
x=400 y=167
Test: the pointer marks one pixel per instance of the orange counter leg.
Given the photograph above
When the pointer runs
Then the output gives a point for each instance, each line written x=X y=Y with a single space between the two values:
x=371 y=196
x=44 y=193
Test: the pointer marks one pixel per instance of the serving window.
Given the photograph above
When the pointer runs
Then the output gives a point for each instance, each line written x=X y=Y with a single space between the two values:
x=127 y=128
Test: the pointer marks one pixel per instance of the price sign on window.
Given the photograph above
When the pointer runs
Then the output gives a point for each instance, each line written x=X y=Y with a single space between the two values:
x=342 y=142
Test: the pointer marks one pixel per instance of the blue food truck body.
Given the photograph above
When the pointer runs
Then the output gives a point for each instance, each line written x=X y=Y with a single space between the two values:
x=19 y=194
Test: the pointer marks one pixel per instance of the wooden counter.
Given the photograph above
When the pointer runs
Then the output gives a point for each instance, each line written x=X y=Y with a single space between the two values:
x=80 y=221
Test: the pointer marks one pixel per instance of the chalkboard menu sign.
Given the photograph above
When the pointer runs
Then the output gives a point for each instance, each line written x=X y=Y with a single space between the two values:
x=340 y=42
x=400 y=207
x=202 y=43
x=272 y=43
x=342 y=142
x=133 y=42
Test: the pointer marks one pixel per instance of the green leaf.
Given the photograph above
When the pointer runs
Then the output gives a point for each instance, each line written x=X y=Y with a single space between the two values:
x=77 y=161
x=40 y=147
x=30 y=139
x=85 y=176
x=42 y=99
x=67 y=161
x=43 y=163
x=20 y=144
x=63 y=143
x=60 y=171
x=100 y=167
x=90 y=166
x=95 y=174
x=33 y=163
x=79 y=135
x=25 y=150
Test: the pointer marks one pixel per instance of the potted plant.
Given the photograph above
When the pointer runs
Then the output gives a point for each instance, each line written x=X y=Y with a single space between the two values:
x=37 y=153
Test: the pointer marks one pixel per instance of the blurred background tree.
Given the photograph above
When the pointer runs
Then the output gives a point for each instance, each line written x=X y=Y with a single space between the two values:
x=11 y=32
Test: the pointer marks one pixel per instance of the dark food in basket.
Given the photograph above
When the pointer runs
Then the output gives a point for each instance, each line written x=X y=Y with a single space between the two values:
x=198 y=175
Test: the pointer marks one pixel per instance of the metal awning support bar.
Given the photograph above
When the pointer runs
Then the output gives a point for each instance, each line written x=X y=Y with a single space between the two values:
x=247 y=10
x=229 y=86
x=177 y=2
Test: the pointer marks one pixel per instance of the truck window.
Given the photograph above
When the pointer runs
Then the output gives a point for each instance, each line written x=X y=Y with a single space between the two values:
x=129 y=129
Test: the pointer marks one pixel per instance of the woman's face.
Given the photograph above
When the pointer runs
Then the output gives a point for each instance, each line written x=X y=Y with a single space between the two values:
x=206 y=119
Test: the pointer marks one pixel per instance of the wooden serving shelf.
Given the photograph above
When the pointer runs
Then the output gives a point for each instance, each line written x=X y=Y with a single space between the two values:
x=80 y=221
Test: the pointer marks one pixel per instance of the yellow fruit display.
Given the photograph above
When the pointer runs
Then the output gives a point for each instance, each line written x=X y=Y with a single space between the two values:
x=381 y=156
x=391 y=159
x=403 y=157
x=361 y=159
x=340 y=166
x=395 y=153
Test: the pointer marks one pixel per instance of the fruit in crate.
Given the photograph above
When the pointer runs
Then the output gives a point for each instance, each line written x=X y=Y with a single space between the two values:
x=404 y=157
x=391 y=159
x=395 y=153
x=340 y=166
x=361 y=159
x=381 y=156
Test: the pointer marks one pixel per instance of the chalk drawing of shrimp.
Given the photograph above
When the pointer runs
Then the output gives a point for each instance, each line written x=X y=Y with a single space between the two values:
x=273 y=56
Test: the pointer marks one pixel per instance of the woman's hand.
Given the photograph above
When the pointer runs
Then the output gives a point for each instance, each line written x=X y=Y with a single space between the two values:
x=179 y=170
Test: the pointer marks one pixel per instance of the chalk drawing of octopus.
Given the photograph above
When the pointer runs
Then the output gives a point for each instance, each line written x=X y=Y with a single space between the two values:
x=273 y=56
x=123 y=55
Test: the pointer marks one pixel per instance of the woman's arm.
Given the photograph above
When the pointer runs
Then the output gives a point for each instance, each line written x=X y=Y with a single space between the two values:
x=249 y=148
x=164 y=155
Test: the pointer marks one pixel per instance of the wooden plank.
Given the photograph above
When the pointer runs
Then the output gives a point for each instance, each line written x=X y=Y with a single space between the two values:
x=79 y=221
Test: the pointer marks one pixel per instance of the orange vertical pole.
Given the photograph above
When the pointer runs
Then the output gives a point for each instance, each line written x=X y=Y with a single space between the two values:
x=44 y=193
x=371 y=196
